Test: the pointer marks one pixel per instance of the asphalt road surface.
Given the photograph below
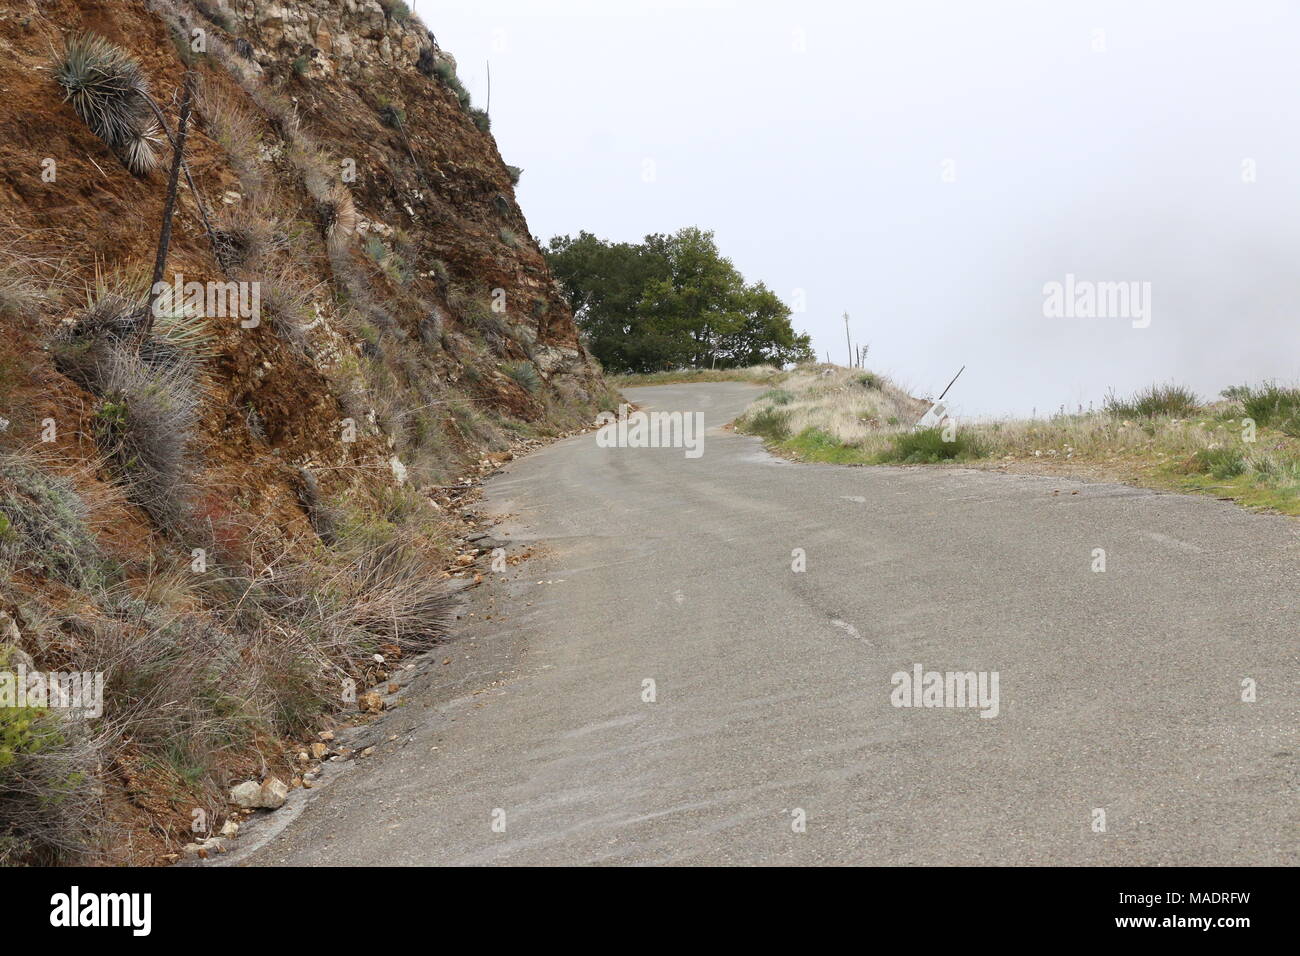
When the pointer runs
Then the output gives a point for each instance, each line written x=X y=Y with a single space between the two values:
x=771 y=736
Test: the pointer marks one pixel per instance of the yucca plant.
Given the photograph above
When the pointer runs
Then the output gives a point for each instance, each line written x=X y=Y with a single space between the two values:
x=109 y=91
x=113 y=317
x=525 y=375
x=338 y=216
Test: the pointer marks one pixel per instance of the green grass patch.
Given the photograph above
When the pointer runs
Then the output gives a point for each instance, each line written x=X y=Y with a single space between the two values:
x=1220 y=462
x=927 y=447
x=1265 y=480
x=813 y=444
x=770 y=424
x=1245 y=489
x=1172 y=401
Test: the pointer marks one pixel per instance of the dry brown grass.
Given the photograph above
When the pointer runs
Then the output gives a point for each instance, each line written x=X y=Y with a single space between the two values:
x=229 y=121
x=851 y=405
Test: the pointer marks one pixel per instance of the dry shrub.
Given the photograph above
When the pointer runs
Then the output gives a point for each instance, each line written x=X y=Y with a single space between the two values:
x=51 y=809
x=45 y=524
x=248 y=232
x=290 y=306
x=150 y=394
x=22 y=294
x=145 y=426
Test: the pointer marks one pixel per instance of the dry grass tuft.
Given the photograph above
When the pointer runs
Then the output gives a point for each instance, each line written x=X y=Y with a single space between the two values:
x=233 y=126
x=150 y=393
x=852 y=407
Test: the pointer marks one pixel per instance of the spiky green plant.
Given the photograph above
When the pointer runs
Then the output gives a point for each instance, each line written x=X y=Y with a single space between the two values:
x=1273 y=404
x=109 y=91
x=525 y=375
x=115 y=304
x=929 y=446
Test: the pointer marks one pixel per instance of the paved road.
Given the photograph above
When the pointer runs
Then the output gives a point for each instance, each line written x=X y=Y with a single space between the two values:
x=1118 y=691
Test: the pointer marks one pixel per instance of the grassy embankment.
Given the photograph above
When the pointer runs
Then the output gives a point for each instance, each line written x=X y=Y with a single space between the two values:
x=1245 y=447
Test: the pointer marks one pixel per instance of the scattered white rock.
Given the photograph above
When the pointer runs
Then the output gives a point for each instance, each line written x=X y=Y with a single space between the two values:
x=203 y=848
x=399 y=469
x=268 y=795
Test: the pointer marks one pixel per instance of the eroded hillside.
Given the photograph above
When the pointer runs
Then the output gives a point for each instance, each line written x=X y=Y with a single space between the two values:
x=230 y=517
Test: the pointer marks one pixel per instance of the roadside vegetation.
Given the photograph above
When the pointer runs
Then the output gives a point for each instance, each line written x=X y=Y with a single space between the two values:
x=758 y=374
x=1245 y=446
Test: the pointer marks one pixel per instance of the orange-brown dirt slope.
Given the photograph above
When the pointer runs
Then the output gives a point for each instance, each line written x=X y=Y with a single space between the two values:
x=228 y=513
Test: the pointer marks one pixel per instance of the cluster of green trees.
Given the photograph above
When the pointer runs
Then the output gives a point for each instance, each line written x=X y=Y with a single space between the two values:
x=671 y=302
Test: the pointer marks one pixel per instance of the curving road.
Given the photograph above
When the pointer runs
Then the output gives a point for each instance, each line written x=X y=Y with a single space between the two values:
x=1118 y=691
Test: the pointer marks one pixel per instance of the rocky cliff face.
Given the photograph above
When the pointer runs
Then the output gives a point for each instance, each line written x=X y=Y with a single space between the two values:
x=408 y=328
x=391 y=254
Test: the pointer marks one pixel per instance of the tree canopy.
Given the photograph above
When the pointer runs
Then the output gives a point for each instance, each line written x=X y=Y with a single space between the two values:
x=671 y=302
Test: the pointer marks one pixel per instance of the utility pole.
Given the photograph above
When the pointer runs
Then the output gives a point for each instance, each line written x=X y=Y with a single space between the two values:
x=846 y=339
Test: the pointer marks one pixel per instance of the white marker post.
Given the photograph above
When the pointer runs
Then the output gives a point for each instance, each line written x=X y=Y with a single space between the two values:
x=935 y=416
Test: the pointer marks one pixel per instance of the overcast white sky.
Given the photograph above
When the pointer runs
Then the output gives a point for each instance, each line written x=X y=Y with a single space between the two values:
x=813 y=138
